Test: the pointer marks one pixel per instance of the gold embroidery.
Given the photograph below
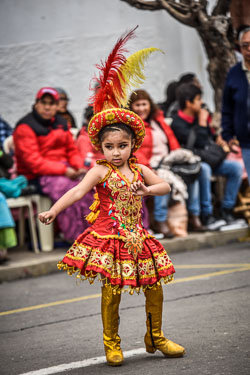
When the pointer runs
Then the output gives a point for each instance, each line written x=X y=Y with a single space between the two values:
x=127 y=210
x=115 y=268
x=91 y=275
x=133 y=243
x=104 y=162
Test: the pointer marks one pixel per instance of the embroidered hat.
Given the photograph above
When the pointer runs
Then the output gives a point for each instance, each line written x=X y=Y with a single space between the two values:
x=116 y=116
x=117 y=75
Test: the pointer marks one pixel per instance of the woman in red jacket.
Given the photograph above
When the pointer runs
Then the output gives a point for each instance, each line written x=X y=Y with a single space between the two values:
x=48 y=157
x=159 y=141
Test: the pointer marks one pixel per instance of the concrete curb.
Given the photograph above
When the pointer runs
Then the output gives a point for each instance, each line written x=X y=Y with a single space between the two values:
x=25 y=264
x=200 y=241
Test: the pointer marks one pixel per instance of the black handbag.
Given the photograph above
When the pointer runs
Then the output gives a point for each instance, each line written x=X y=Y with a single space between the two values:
x=211 y=154
x=188 y=172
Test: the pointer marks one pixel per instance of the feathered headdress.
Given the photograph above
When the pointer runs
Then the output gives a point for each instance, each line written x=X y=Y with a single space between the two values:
x=117 y=77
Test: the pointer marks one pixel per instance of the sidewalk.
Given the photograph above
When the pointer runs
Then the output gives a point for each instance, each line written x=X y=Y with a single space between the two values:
x=24 y=263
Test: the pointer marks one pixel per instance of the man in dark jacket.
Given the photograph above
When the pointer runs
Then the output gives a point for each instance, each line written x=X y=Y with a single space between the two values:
x=190 y=115
x=236 y=102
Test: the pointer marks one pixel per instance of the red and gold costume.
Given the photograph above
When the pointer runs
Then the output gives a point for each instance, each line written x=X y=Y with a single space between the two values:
x=116 y=245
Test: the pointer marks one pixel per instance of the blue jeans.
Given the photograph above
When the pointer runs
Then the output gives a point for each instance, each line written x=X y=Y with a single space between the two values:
x=232 y=170
x=246 y=158
x=193 y=203
x=161 y=207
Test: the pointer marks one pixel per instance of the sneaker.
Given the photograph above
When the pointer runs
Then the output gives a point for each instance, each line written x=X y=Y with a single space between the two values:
x=227 y=215
x=161 y=227
x=211 y=223
x=239 y=224
x=158 y=236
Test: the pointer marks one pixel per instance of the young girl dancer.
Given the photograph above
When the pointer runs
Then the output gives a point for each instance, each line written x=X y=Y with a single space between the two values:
x=116 y=246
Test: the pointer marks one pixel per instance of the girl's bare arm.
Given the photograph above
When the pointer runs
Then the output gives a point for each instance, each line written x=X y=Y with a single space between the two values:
x=90 y=180
x=155 y=184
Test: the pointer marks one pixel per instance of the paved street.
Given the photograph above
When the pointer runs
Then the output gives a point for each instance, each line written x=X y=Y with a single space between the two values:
x=50 y=321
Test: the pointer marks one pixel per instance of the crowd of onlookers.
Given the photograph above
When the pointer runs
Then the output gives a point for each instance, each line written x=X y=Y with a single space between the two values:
x=46 y=153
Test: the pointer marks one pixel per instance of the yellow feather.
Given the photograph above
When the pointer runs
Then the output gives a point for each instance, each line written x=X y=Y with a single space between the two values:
x=131 y=72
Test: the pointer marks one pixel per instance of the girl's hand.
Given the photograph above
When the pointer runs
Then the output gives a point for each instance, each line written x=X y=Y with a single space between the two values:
x=138 y=188
x=47 y=217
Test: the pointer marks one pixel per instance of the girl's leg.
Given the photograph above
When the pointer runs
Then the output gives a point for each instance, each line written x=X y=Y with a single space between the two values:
x=110 y=320
x=154 y=338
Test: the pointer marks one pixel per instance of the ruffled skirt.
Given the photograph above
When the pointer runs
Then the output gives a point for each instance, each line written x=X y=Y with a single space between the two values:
x=93 y=254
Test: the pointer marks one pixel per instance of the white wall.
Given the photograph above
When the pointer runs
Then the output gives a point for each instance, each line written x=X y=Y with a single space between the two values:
x=58 y=43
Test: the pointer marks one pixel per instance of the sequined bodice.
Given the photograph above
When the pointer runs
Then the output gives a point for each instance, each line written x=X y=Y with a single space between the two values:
x=118 y=203
x=120 y=209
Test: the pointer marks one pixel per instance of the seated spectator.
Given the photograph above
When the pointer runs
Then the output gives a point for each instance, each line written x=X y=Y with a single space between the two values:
x=7 y=229
x=170 y=98
x=159 y=141
x=5 y=131
x=187 y=78
x=46 y=154
x=190 y=115
x=6 y=162
x=9 y=186
x=63 y=107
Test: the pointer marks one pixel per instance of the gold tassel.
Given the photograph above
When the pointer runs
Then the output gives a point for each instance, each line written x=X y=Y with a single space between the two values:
x=96 y=203
x=92 y=216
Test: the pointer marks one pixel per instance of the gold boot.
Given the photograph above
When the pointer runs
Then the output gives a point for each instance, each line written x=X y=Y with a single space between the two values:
x=154 y=338
x=110 y=321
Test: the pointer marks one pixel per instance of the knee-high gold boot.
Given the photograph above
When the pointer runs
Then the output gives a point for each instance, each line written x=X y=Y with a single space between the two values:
x=110 y=321
x=154 y=338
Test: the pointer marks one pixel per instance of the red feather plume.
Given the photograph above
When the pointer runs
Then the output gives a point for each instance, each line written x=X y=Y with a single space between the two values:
x=109 y=87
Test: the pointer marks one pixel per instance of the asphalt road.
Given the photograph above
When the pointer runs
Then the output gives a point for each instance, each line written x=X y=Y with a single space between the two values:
x=53 y=325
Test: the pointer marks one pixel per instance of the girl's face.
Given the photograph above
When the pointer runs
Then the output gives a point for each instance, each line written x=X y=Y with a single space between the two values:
x=142 y=108
x=117 y=147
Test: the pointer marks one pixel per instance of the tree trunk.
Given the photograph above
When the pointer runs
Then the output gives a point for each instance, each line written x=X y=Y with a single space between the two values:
x=240 y=12
x=220 y=53
x=215 y=31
